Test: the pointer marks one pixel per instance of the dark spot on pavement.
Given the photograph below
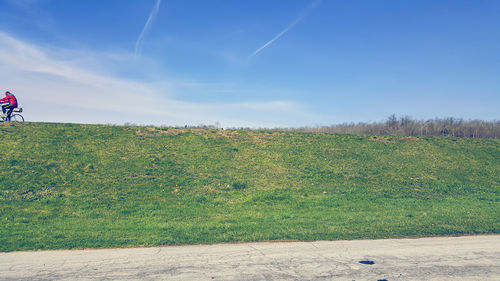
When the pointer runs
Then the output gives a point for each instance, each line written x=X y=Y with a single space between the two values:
x=367 y=262
x=382 y=280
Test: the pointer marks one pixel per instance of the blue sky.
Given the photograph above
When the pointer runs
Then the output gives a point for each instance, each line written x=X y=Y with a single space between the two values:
x=250 y=63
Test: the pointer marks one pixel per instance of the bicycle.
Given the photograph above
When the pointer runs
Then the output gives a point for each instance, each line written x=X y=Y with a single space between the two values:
x=14 y=116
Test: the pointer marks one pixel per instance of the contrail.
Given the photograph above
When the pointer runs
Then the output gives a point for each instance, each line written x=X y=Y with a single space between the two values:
x=140 y=39
x=302 y=15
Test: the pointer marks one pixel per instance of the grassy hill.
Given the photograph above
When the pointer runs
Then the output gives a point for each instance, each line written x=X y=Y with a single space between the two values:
x=80 y=186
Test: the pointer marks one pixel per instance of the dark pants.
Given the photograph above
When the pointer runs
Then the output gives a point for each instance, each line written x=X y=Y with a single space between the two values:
x=7 y=108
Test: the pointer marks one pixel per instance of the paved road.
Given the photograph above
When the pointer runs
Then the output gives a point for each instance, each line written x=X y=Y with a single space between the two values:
x=454 y=258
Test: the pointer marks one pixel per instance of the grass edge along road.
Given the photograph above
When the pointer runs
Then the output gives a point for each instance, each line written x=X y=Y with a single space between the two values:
x=92 y=186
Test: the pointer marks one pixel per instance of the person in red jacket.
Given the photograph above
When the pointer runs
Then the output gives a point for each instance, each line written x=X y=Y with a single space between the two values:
x=8 y=103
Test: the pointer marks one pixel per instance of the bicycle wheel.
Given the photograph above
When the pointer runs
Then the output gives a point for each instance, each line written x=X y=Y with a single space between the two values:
x=17 y=118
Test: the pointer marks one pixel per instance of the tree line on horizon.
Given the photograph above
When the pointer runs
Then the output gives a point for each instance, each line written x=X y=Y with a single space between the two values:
x=402 y=126
x=407 y=126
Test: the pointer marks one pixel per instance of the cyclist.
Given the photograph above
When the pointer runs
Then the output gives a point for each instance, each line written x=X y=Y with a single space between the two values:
x=8 y=103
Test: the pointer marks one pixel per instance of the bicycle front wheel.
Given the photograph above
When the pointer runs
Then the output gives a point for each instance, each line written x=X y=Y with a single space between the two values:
x=17 y=118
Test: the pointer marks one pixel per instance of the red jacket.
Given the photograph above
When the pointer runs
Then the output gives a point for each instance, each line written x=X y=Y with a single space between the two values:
x=12 y=99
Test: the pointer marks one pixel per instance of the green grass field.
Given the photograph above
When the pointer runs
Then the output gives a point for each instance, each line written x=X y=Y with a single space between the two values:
x=89 y=186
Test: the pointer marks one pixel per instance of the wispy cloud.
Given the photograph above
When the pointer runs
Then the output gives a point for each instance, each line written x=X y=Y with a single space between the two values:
x=140 y=40
x=54 y=87
x=302 y=15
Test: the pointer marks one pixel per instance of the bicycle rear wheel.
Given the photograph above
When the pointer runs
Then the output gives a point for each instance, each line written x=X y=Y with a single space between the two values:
x=16 y=118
